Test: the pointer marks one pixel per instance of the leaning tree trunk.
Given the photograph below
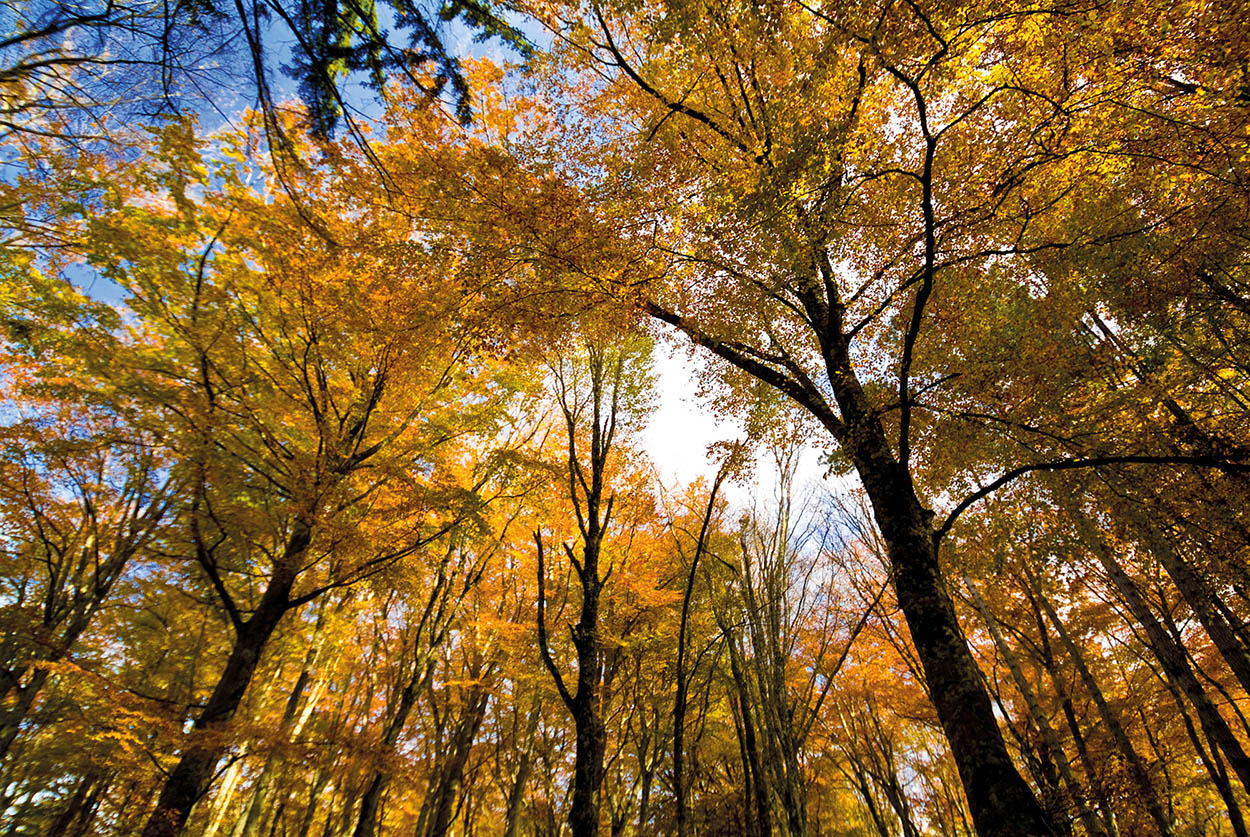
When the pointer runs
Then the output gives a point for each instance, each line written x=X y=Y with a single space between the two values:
x=516 y=794
x=1137 y=768
x=78 y=812
x=1211 y=762
x=16 y=713
x=1041 y=718
x=1046 y=659
x=1204 y=603
x=190 y=777
x=1001 y=802
x=1176 y=666
x=679 y=701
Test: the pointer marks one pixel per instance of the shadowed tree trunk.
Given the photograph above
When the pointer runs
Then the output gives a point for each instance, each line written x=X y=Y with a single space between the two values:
x=76 y=818
x=1002 y=804
x=454 y=578
x=590 y=408
x=1202 y=600
x=187 y=781
x=1175 y=664
x=371 y=799
x=1137 y=768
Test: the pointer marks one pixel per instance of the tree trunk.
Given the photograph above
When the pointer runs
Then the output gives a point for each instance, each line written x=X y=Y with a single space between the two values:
x=757 y=803
x=320 y=781
x=17 y=712
x=593 y=516
x=1176 y=666
x=1213 y=764
x=1137 y=768
x=865 y=791
x=451 y=777
x=1001 y=802
x=190 y=777
x=370 y=804
x=587 y=767
x=1050 y=738
x=895 y=795
x=679 y=702
x=1202 y=600
x=1037 y=760
x=80 y=809
x=221 y=802
x=516 y=795
x=1046 y=658
x=292 y=724
x=367 y=819
x=679 y=712
x=644 y=794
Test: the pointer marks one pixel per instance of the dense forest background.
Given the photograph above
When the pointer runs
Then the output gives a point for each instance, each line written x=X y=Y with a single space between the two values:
x=327 y=349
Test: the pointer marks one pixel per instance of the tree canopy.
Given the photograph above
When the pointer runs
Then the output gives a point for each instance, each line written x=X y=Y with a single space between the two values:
x=325 y=502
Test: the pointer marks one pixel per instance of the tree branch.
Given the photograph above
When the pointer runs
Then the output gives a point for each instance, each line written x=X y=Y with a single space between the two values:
x=801 y=391
x=1217 y=462
x=543 y=647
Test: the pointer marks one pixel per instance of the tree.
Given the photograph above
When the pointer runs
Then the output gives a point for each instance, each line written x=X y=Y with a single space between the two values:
x=71 y=68
x=855 y=206
x=82 y=498
x=597 y=394
x=681 y=674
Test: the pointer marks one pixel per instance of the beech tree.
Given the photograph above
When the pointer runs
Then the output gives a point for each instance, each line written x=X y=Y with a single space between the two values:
x=844 y=199
x=598 y=396
x=79 y=511
x=323 y=508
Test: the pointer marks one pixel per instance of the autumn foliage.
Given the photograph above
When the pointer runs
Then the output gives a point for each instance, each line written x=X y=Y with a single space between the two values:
x=326 y=504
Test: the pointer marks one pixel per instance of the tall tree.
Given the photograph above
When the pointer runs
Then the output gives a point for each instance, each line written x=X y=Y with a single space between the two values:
x=844 y=199
x=83 y=497
x=598 y=394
